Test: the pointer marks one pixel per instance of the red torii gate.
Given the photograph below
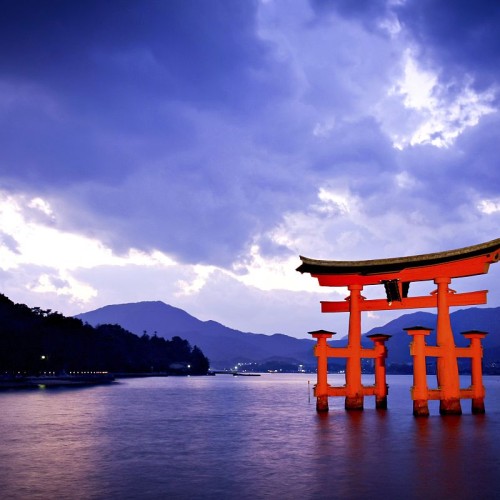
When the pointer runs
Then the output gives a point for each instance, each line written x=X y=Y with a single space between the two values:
x=396 y=275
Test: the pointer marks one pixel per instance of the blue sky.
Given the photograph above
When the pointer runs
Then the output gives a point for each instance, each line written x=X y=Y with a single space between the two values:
x=189 y=151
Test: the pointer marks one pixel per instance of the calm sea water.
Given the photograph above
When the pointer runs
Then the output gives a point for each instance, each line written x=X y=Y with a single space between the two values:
x=240 y=438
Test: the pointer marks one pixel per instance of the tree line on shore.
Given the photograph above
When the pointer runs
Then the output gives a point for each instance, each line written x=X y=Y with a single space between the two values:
x=35 y=341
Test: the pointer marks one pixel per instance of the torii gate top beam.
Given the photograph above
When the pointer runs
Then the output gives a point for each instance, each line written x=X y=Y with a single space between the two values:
x=468 y=261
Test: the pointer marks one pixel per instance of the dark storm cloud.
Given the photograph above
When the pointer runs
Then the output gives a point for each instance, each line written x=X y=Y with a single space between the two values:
x=437 y=203
x=100 y=51
x=459 y=175
x=189 y=127
x=480 y=163
x=121 y=68
x=137 y=111
x=460 y=42
x=457 y=35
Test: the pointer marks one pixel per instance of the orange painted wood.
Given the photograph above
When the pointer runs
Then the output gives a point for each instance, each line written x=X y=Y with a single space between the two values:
x=347 y=352
x=466 y=394
x=417 y=349
x=369 y=390
x=438 y=267
x=337 y=391
x=339 y=352
x=434 y=351
x=457 y=269
x=464 y=352
x=434 y=394
x=455 y=299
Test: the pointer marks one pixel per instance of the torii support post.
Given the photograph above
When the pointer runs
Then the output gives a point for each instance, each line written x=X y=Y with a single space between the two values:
x=478 y=392
x=419 y=391
x=321 y=352
x=354 y=389
x=396 y=275
x=447 y=366
x=381 y=389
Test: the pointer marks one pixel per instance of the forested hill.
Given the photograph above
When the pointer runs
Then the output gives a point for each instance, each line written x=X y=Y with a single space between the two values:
x=34 y=341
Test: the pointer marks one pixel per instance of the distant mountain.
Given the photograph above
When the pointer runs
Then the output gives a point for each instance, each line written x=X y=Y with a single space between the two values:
x=222 y=345
x=473 y=318
x=225 y=346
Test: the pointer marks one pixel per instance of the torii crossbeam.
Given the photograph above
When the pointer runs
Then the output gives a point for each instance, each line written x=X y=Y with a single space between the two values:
x=395 y=275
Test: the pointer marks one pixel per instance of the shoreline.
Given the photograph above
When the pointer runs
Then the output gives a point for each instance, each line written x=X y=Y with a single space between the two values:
x=79 y=380
x=44 y=381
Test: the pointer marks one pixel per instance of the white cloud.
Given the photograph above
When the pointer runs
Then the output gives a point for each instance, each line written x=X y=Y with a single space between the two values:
x=42 y=245
x=336 y=201
x=72 y=273
x=200 y=275
x=42 y=205
x=64 y=285
x=53 y=256
x=489 y=207
x=438 y=115
x=273 y=273
x=417 y=86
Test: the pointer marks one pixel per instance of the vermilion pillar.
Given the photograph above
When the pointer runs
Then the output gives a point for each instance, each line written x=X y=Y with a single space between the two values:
x=354 y=390
x=419 y=391
x=381 y=389
x=320 y=351
x=396 y=274
x=478 y=392
x=447 y=366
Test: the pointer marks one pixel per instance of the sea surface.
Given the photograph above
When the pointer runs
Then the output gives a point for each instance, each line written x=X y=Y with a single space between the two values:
x=240 y=438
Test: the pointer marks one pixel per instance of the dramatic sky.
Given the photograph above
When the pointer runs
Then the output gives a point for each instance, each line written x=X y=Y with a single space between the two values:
x=189 y=151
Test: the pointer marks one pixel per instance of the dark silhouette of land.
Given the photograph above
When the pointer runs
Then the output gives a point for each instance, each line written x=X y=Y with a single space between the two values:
x=36 y=342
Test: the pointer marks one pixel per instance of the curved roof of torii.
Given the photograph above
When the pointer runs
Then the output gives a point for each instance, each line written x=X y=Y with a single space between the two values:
x=381 y=266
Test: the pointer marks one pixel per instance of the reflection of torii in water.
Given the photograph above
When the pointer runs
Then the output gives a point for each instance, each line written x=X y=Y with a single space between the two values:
x=396 y=275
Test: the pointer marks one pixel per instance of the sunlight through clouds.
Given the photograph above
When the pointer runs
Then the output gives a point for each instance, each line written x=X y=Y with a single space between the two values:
x=64 y=285
x=44 y=245
x=27 y=242
x=267 y=273
x=439 y=118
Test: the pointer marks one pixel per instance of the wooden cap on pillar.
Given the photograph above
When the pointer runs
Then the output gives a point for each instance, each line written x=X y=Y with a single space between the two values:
x=418 y=330
x=379 y=337
x=322 y=334
x=470 y=334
